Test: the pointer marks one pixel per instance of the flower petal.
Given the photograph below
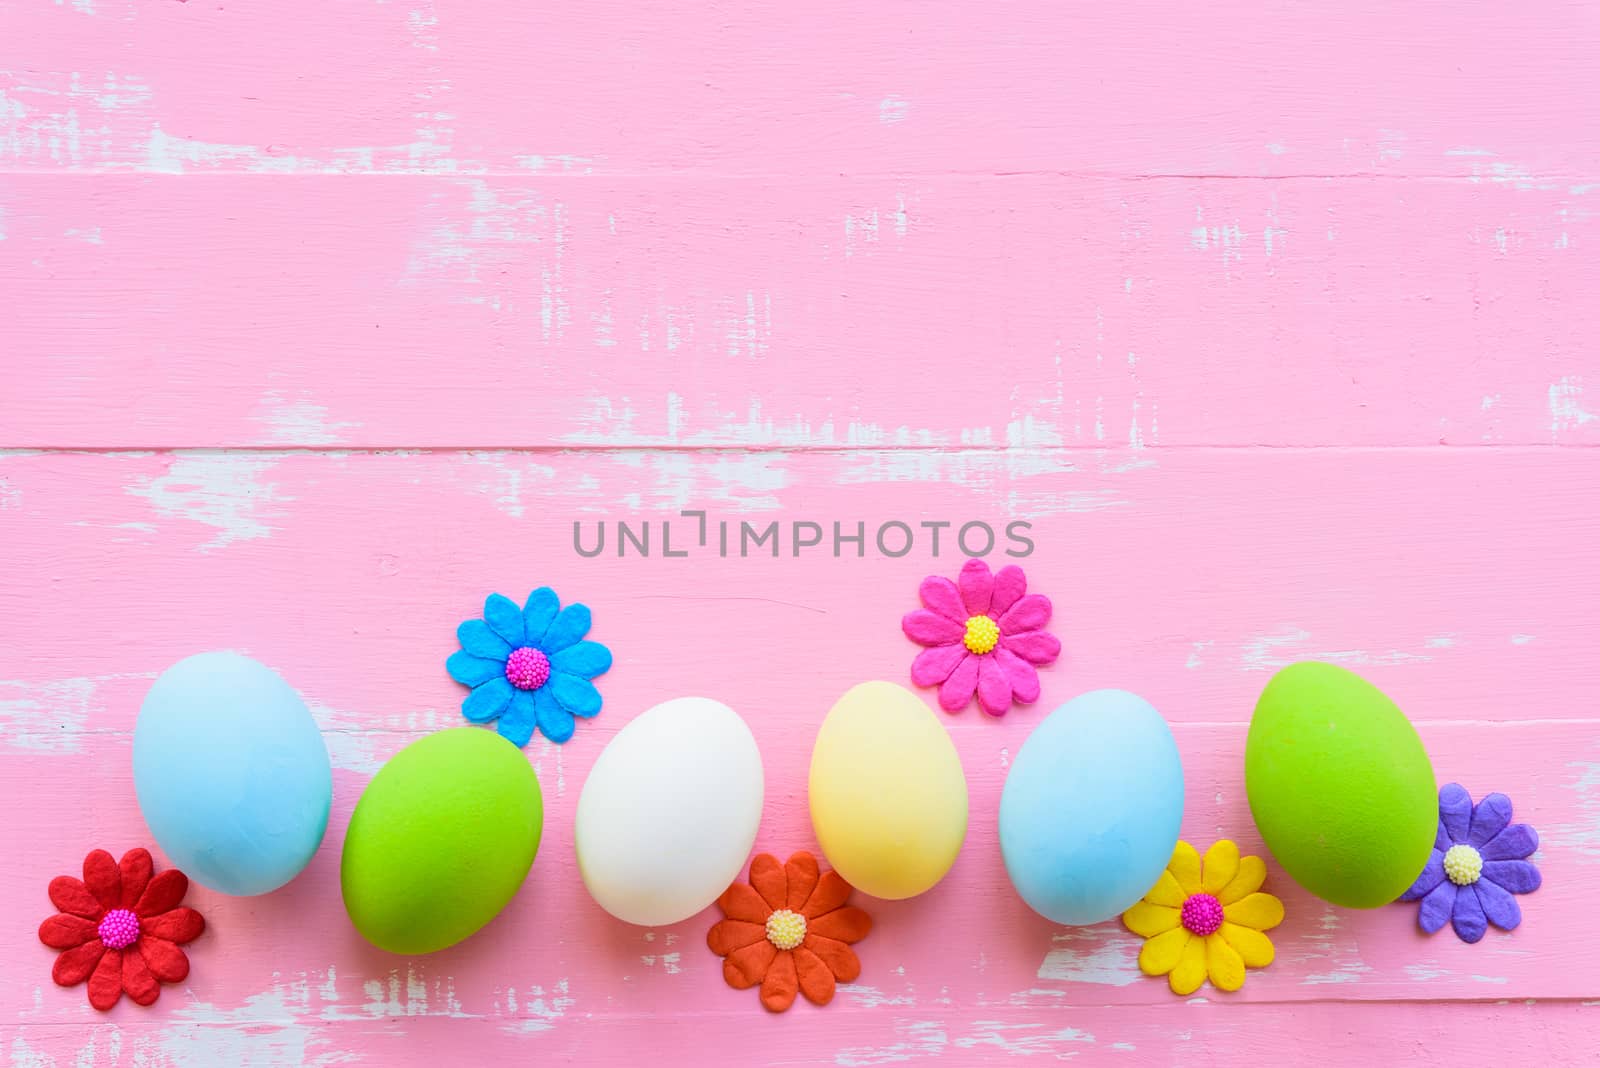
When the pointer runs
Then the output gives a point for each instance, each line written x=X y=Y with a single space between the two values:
x=471 y=670
x=105 y=985
x=770 y=881
x=578 y=696
x=77 y=964
x=1224 y=965
x=65 y=931
x=1514 y=843
x=488 y=700
x=726 y=936
x=932 y=666
x=781 y=984
x=1167 y=891
x=803 y=875
x=1260 y=911
x=476 y=638
x=840 y=958
x=70 y=896
x=1024 y=680
x=1441 y=838
x=955 y=693
x=1517 y=876
x=1489 y=818
x=103 y=878
x=994 y=688
x=741 y=902
x=585 y=659
x=164 y=893
x=568 y=629
x=140 y=985
x=1253 y=947
x=1432 y=872
x=505 y=619
x=1035 y=646
x=930 y=628
x=816 y=978
x=1455 y=811
x=1029 y=613
x=136 y=868
x=745 y=967
x=1252 y=873
x=555 y=722
x=1147 y=920
x=1160 y=954
x=179 y=925
x=167 y=962
x=1185 y=867
x=941 y=597
x=1220 y=866
x=977 y=587
x=538 y=614
x=1009 y=586
x=848 y=924
x=1499 y=907
x=1467 y=917
x=516 y=723
x=831 y=893
x=1190 y=971
x=1436 y=907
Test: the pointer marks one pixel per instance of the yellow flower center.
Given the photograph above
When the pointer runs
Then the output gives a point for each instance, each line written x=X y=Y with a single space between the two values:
x=982 y=634
x=786 y=929
x=1463 y=864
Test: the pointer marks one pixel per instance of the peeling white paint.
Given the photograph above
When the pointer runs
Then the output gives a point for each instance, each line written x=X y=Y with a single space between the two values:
x=298 y=422
x=668 y=961
x=1566 y=408
x=49 y=716
x=1022 y=1039
x=222 y=491
x=892 y=110
x=916 y=1039
x=1269 y=652
x=1087 y=955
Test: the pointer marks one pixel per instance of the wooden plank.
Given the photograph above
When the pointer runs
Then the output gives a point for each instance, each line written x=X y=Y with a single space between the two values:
x=1469 y=88
x=837 y=313
x=1187 y=578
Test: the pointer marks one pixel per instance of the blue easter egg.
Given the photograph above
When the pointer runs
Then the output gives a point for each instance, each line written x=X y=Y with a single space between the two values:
x=231 y=773
x=1092 y=807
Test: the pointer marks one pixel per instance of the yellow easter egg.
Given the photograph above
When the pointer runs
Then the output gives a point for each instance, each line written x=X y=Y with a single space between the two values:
x=888 y=796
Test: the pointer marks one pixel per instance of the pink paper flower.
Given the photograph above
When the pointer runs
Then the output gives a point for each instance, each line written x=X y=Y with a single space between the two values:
x=982 y=637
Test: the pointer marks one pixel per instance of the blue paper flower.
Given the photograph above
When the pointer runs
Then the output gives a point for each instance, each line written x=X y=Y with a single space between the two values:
x=1479 y=860
x=529 y=666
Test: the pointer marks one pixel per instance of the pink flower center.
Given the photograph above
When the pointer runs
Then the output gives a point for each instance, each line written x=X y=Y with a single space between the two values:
x=119 y=929
x=1201 y=914
x=527 y=668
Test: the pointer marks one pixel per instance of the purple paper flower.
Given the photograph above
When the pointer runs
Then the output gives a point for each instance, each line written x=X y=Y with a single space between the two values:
x=1479 y=860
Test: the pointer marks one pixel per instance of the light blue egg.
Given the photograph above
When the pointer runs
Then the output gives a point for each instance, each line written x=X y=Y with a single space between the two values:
x=1092 y=807
x=231 y=772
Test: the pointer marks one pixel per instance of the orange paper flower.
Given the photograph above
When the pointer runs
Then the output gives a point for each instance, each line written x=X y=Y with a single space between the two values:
x=788 y=930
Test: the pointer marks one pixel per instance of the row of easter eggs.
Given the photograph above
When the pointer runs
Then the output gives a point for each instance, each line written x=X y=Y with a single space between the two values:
x=234 y=781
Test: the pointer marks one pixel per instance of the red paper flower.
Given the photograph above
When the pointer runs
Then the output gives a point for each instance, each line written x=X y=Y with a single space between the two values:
x=120 y=928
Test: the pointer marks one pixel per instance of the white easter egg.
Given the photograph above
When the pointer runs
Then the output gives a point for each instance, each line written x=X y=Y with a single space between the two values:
x=669 y=812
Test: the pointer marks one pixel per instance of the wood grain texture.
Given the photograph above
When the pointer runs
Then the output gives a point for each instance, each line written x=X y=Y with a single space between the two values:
x=1275 y=323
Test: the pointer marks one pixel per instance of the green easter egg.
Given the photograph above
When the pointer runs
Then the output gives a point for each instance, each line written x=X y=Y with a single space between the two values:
x=1340 y=786
x=441 y=840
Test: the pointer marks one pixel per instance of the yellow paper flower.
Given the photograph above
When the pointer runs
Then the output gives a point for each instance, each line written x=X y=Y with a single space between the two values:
x=1206 y=923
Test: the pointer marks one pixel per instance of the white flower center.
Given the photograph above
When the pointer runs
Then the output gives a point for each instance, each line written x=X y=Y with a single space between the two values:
x=1463 y=864
x=786 y=929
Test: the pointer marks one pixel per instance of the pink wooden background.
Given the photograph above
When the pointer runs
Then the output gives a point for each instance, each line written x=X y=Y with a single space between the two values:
x=319 y=321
